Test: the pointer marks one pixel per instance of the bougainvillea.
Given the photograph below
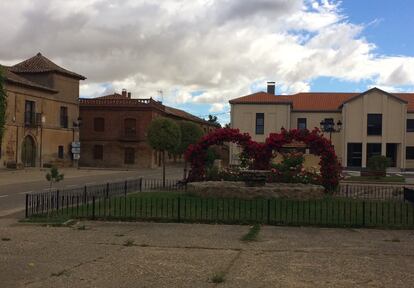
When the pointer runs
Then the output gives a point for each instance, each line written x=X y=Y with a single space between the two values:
x=262 y=153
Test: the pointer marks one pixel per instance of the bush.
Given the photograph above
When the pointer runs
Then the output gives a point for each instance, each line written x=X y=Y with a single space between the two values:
x=378 y=163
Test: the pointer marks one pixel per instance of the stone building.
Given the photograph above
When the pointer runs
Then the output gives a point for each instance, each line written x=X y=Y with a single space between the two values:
x=114 y=130
x=373 y=122
x=42 y=114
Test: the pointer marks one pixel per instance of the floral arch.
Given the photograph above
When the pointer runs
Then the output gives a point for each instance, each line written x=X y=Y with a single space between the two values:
x=262 y=153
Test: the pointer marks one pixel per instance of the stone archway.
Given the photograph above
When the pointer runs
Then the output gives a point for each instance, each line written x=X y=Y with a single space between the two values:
x=29 y=152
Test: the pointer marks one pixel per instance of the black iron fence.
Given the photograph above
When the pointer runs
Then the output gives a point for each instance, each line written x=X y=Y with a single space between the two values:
x=53 y=200
x=118 y=201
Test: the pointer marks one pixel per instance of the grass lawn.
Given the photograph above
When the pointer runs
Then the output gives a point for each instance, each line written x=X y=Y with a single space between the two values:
x=180 y=207
x=393 y=178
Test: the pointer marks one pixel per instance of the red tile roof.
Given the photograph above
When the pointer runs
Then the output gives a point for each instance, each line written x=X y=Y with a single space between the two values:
x=313 y=101
x=18 y=80
x=39 y=64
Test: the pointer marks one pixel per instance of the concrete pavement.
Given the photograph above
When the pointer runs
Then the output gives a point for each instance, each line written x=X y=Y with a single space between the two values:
x=105 y=254
x=14 y=184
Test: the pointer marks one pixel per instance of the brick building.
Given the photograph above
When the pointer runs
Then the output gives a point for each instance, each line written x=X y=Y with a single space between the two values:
x=114 y=129
x=41 y=115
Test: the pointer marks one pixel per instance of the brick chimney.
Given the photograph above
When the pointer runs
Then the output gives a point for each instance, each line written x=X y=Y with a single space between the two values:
x=271 y=87
x=124 y=92
x=129 y=95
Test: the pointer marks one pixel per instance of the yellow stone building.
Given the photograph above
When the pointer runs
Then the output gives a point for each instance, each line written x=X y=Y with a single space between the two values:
x=42 y=114
x=374 y=122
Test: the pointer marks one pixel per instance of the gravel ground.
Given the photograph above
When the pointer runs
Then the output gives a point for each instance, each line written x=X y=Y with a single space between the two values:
x=110 y=254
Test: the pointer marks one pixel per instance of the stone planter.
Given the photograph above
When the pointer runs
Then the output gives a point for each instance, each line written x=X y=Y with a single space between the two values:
x=255 y=178
x=229 y=189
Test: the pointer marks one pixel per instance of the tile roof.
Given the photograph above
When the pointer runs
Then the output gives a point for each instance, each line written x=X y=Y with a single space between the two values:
x=119 y=99
x=39 y=64
x=18 y=80
x=312 y=101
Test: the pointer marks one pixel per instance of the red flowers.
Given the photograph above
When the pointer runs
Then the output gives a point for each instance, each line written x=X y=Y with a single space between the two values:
x=262 y=153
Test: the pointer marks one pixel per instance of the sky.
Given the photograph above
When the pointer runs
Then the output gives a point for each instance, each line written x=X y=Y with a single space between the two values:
x=202 y=53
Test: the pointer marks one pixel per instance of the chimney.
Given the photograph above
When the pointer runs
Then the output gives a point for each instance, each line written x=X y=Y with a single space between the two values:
x=271 y=88
x=129 y=95
x=124 y=93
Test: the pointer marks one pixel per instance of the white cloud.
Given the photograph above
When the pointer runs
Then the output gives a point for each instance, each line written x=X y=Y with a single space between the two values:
x=217 y=47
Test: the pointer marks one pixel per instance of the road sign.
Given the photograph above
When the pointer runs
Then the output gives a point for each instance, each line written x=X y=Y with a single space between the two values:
x=75 y=144
x=76 y=156
x=75 y=150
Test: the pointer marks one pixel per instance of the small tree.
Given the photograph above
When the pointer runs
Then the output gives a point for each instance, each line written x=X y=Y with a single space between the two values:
x=190 y=134
x=164 y=135
x=3 y=104
x=54 y=176
x=213 y=120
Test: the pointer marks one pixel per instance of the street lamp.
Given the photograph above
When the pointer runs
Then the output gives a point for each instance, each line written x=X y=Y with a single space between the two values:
x=328 y=125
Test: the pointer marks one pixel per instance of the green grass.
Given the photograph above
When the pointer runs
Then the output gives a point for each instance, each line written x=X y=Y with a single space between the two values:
x=218 y=278
x=179 y=207
x=252 y=234
x=393 y=179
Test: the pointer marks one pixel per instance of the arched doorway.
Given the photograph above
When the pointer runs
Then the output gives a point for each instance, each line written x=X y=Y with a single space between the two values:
x=29 y=152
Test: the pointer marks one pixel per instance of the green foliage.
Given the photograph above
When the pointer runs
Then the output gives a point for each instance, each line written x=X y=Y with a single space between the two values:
x=252 y=234
x=218 y=278
x=213 y=120
x=190 y=134
x=3 y=103
x=211 y=156
x=378 y=163
x=54 y=176
x=164 y=135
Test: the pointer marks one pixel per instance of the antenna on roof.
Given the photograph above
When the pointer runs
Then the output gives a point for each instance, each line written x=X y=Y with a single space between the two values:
x=161 y=95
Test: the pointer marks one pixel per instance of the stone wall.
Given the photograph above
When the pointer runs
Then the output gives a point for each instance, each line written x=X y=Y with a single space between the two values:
x=228 y=189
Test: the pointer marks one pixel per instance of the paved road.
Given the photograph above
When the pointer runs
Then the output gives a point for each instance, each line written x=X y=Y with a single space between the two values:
x=12 y=196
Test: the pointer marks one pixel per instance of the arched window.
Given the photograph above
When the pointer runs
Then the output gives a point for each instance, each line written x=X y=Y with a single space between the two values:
x=99 y=124
x=130 y=126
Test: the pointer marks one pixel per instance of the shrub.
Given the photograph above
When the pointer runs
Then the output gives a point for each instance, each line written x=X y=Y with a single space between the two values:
x=378 y=163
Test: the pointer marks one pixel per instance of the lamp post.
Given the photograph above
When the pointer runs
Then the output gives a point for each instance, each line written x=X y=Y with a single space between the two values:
x=328 y=125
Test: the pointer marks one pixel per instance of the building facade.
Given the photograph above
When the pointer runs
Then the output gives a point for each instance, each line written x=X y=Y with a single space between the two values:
x=114 y=130
x=374 y=122
x=42 y=114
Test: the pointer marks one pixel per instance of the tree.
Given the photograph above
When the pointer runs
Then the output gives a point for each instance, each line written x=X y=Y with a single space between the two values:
x=3 y=104
x=213 y=120
x=190 y=134
x=164 y=135
x=54 y=176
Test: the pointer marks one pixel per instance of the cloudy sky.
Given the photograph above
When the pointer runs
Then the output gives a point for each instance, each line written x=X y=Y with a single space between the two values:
x=202 y=53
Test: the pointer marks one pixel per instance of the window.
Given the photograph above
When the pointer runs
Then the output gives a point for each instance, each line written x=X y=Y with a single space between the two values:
x=129 y=156
x=29 y=113
x=410 y=125
x=301 y=123
x=64 y=117
x=99 y=124
x=373 y=149
x=260 y=123
x=374 y=124
x=130 y=126
x=98 y=152
x=60 y=152
x=409 y=153
x=354 y=154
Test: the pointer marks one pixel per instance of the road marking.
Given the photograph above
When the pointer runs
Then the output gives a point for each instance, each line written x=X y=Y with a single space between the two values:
x=27 y=192
x=2 y=196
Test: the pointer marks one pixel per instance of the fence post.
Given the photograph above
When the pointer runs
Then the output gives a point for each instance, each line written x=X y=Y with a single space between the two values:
x=84 y=194
x=140 y=184
x=57 y=201
x=268 y=211
x=126 y=188
x=107 y=189
x=363 y=213
x=93 y=207
x=27 y=206
x=178 y=210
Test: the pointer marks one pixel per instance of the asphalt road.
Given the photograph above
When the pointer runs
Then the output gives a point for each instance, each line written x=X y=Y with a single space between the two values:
x=12 y=196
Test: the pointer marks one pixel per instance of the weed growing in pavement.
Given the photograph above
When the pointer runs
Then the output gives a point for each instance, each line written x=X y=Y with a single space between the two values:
x=218 y=278
x=252 y=234
x=129 y=243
